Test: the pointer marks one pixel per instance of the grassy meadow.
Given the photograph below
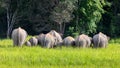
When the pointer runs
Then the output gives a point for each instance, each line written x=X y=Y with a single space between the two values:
x=37 y=57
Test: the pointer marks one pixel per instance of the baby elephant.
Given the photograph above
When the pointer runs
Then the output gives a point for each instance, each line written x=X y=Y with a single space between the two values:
x=27 y=43
x=68 y=41
x=33 y=41
x=49 y=41
x=18 y=36
x=41 y=39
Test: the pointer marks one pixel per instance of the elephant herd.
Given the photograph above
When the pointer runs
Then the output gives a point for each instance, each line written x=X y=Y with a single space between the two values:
x=53 y=39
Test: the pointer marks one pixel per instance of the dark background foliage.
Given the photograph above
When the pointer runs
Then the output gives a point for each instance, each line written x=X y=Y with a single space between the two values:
x=70 y=17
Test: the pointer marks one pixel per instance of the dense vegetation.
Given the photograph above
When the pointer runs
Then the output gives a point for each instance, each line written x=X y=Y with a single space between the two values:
x=65 y=57
x=70 y=17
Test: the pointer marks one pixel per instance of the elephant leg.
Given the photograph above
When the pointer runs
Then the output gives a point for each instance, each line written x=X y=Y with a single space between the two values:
x=48 y=45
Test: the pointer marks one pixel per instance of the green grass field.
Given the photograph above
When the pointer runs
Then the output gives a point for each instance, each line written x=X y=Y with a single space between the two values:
x=37 y=57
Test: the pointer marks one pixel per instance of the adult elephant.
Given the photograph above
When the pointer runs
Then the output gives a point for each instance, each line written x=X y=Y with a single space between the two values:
x=88 y=40
x=49 y=41
x=18 y=36
x=83 y=41
x=68 y=41
x=100 y=40
x=57 y=36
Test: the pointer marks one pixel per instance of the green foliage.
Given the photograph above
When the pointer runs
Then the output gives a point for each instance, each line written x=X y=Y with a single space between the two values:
x=115 y=26
x=89 y=14
x=83 y=16
x=70 y=32
x=39 y=15
x=109 y=23
x=62 y=13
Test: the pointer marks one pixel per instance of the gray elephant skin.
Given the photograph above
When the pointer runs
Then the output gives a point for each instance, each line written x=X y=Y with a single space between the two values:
x=68 y=41
x=83 y=41
x=33 y=41
x=19 y=36
x=100 y=40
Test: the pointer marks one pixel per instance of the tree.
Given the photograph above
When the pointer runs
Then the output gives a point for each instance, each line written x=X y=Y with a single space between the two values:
x=115 y=21
x=39 y=15
x=87 y=15
x=62 y=14
x=104 y=25
x=109 y=23
x=15 y=10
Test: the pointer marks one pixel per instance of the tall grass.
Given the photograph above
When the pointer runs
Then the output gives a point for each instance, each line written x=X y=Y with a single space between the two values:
x=36 y=57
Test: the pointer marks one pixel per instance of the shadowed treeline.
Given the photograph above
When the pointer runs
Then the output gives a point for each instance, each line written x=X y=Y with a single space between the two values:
x=68 y=17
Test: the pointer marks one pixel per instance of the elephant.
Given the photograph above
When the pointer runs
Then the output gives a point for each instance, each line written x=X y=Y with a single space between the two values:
x=68 y=41
x=57 y=36
x=40 y=38
x=91 y=42
x=49 y=41
x=80 y=41
x=33 y=41
x=88 y=40
x=19 y=36
x=83 y=41
x=27 y=43
x=100 y=40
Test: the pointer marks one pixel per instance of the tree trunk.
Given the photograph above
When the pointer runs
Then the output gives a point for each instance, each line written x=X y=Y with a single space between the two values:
x=60 y=28
x=8 y=22
x=77 y=27
x=8 y=33
x=63 y=29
